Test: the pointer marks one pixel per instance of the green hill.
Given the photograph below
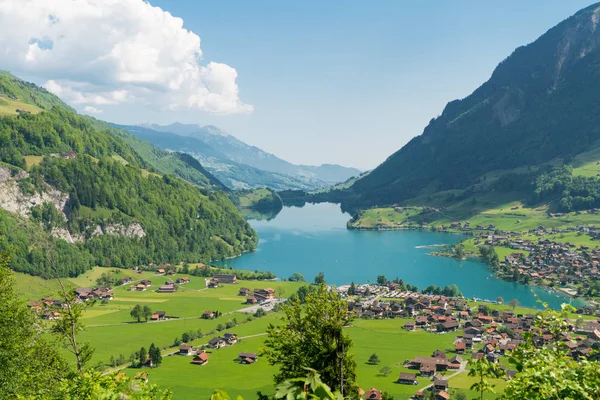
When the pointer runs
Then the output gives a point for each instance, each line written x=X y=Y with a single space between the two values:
x=538 y=109
x=91 y=198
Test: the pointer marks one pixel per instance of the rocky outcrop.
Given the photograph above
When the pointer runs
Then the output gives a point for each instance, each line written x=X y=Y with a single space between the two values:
x=14 y=200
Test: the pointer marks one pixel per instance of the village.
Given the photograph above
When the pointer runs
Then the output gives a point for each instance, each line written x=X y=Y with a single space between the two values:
x=484 y=333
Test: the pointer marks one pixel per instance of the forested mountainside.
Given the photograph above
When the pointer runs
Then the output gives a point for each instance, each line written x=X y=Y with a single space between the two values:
x=540 y=106
x=83 y=194
x=233 y=174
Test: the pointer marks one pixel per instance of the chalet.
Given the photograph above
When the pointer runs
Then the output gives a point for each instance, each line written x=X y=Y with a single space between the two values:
x=441 y=363
x=51 y=315
x=244 y=291
x=126 y=280
x=472 y=331
x=166 y=289
x=160 y=272
x=373 y=394
x=447 y=326
x=84 y=293
x=186 y=350
x=442 y=395
x=230 y=338
x=200 y=358
x=439 y=354
x=139 y=287
x=455 y=362
x=171 y=272
x=69 y=155
x=440 y=384
x=247 y=358
x=407 y=379
x=208 y=314
x=410 y=326
x=146 y=282
x=213 y=283
x=427 y=369
x=460 y=347
x=216 y=343
x=251 y=300
x=35 y=306
x=264 y=294
x=158 y=316
x=421 y=321
x=225 y=278
x=183 y=280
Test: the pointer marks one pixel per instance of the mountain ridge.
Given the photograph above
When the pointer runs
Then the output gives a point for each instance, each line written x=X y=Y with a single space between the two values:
x=538 y=105
x=242 y=153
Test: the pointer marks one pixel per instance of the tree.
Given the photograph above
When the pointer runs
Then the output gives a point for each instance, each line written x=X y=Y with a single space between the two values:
x=385 y=371
x=500 y=300
x=297 y=277
x=548 y=372
x=483 y=370
x=177 y=342
x=311 y=387
x=142 y=356
x=352 y=289
x=317 y=328
x=374 y=359
x=185 y=337
x=386 y=396
x=514 y=303
x=381 y=280
x=31 y=367
x=460 y=396
x=320 y=278
x=367 y=292
x=137 y=312
x=146 y=313
x=260 y=313
x=155 y=355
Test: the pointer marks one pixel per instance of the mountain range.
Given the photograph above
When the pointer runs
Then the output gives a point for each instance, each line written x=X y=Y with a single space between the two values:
x=539 y=107
x=237 y=164
x=76 y=192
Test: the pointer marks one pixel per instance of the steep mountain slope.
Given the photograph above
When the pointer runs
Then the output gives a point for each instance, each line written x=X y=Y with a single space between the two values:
x=242 y=153
x=231 y=173
x=541 y=103
x=81 y=193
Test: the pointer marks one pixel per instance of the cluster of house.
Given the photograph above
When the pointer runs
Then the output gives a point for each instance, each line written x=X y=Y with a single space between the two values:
x=47 y=307
x=140 y=287
x=550 y=261
x=221 y=278
x=228 y=339
x=169 y=286
x=99 y=292
x=257 y=296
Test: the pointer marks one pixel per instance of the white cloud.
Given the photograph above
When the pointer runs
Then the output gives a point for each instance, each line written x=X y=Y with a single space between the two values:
x=104 y=52
x=92 y=110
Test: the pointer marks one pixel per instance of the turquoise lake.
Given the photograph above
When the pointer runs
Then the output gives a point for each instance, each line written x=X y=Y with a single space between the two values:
x=314 y=238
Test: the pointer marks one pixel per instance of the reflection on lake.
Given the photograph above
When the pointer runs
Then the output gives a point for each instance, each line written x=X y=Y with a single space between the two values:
x=314 y=238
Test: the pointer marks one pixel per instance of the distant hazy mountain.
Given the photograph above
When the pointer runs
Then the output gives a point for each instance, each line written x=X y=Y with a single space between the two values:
x=242 y=153
x=231 y=173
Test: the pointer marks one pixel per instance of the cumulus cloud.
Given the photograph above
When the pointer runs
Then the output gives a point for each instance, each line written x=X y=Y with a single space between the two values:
x=103 y=52
x=92 y=110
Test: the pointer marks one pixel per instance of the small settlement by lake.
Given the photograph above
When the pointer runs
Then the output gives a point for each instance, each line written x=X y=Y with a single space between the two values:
x=314 y=238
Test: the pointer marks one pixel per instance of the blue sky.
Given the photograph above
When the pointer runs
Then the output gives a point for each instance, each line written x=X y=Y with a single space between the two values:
x=346 y=82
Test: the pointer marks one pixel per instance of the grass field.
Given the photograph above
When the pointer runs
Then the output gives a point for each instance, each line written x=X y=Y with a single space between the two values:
x=32 y=161
x=462 y=383
x=9 y=107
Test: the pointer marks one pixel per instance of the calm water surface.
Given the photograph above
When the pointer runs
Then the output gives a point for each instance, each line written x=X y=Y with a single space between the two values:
x=314 y=238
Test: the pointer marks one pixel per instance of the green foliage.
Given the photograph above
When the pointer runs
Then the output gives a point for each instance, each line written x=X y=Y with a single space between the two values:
x=547 y=372
x=93 y=385
x=139 y=312
x=352 y=289
x=484 y=370
x=385 y=371
x=311 y=387
x=312 y=336
x=319 y=278
x=373 y=359
x=30 y=365
x=571 y=192
x=296 y=277
x=489 y=255
x=381 y=280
